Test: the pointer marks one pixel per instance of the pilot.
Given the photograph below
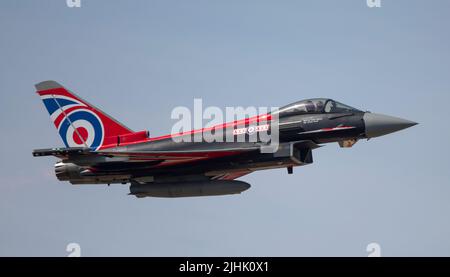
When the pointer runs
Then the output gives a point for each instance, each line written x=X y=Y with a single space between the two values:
x=330 y=107
x=333 y=107
x=310 y=108
x=319 y=106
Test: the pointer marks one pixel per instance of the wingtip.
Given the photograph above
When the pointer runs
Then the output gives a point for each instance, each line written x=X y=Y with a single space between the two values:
x=46 y=85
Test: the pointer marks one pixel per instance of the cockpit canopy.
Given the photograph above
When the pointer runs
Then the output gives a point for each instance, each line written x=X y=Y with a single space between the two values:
x=316 y=105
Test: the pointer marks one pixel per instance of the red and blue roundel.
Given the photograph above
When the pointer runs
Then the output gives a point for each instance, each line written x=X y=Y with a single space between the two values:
x=77 y=124
x=87 y=129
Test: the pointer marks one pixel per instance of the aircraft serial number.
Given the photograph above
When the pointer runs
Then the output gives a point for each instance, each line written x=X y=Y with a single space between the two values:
x=251 y=129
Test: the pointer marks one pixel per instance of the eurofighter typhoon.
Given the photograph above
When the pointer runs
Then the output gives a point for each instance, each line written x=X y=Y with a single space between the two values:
x=100 y=150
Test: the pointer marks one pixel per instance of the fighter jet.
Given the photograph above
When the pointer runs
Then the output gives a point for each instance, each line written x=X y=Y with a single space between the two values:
x=100 y=150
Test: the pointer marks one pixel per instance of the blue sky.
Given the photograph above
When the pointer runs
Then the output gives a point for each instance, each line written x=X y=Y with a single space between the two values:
x=139 y=59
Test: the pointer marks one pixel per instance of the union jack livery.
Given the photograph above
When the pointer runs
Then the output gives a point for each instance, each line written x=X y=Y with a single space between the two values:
x=79 y=123
x=100 y=150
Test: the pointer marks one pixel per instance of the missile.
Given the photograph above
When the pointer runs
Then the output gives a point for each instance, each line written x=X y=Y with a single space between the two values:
x=188 y=189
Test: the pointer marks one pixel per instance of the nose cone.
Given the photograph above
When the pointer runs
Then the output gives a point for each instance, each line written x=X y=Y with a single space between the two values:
x=380 y=124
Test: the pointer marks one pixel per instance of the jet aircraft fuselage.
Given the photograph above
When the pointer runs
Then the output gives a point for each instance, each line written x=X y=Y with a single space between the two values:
x=100 y=150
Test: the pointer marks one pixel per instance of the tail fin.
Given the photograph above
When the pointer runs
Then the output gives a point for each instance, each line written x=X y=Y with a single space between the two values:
x=79 y=123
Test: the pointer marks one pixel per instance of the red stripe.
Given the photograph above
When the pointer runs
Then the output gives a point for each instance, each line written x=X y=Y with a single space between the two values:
x=234 y=175
x=63 y=114
x=336 y=128
x=259 y=118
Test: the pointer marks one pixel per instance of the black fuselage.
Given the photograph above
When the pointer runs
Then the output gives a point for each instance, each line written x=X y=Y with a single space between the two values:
x=313 y=128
